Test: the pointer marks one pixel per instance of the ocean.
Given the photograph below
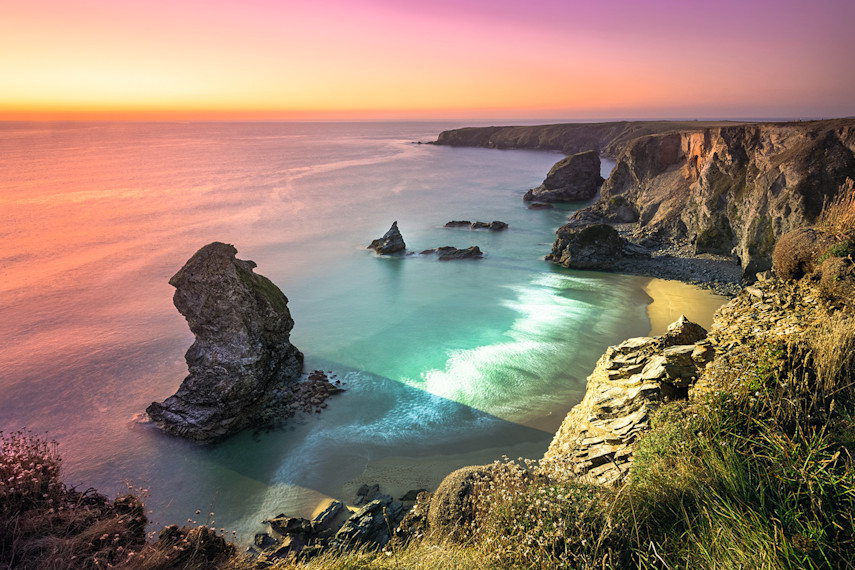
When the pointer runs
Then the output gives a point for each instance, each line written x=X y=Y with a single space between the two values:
x=445 y=364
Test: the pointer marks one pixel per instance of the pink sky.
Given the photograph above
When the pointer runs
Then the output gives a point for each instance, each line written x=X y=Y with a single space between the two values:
x=332 y=59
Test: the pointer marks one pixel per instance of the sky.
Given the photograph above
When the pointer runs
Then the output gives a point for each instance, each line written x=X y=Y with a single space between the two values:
x=426 y=59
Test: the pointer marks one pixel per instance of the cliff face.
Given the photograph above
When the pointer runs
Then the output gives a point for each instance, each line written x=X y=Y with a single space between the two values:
x=608 y=139
x=729 y=190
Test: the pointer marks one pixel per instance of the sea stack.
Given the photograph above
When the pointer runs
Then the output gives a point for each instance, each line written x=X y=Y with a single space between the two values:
x=242 y=363
x=391 y=242
x=572 y=179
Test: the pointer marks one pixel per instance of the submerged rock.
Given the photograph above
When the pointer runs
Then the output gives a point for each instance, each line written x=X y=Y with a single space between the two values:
x=540 y=206
x=241 y=361
x=391 y=242
x=572 y=179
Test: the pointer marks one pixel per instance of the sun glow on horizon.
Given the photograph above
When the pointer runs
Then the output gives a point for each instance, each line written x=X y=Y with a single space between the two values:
x=333 y=59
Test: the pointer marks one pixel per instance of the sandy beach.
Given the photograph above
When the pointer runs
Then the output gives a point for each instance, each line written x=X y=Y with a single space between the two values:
x=674 y=298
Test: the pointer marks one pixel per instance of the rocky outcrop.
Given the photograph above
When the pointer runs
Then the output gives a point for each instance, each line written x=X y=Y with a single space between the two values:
x=241 y=365
x=596 y=246
x=448 y=253
x=596 y=441
x=495 y=225
x=391 y=242
x=371 y=524
x=572 y=179
x=337 y=528
x=727 y=190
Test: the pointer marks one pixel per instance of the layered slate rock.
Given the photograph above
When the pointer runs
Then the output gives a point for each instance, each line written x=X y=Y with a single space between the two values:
x=597 y=246
x=391 y=242
x=572 y=179
x=596 y=441
x=242 y=364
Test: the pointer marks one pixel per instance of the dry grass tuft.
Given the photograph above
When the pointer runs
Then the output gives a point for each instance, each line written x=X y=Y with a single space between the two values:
x=838 y=215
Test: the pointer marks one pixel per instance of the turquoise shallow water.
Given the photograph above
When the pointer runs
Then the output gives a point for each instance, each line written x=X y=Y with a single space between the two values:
x=458 y=359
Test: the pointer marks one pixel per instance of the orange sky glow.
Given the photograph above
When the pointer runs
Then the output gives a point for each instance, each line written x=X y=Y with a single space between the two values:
x=381 y=59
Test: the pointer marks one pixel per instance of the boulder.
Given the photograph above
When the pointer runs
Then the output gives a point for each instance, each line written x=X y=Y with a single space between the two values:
x=241 y=364
x=391 y=242
x=572 y=179
x=596 y=246
x=540 y=206
x=458 y=224
x=366 y=493
x=371 y=524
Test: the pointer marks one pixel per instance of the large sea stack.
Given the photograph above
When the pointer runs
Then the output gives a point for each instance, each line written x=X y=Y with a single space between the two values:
x=572 y=179
x=242 y=363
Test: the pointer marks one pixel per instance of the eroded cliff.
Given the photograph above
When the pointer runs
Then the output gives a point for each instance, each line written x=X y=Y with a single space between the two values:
x=609 y=139
x=727 y=190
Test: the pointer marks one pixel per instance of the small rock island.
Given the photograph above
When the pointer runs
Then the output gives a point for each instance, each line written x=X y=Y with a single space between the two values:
x=391 y=242
x=241 y=364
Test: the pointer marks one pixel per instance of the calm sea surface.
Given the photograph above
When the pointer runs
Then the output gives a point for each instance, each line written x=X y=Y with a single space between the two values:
x=443 y=362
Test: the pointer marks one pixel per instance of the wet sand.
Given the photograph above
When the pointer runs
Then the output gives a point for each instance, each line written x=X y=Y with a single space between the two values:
x=674 y=298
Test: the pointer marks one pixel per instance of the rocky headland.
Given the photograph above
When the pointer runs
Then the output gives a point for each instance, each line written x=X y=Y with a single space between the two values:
x=726 y=190
x=243 y=370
